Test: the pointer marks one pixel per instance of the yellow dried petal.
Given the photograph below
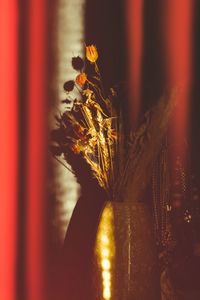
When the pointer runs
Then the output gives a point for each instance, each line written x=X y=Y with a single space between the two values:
x=92 y=53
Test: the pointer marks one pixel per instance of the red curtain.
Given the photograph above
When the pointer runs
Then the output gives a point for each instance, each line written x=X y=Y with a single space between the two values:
x=36 y=152
x=135 y=50
x=17 y=271
x=9 y=146
x=176 y=25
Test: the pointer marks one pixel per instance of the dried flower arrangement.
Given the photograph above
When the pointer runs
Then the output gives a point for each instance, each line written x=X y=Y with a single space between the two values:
x=92 y=127
x=94 y=130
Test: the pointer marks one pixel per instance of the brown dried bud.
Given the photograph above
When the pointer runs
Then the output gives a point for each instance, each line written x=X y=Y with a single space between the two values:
x=77 y=63
x=68 y=86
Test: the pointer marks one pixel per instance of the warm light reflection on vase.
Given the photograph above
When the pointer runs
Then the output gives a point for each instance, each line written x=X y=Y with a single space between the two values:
x=125 y=265
x=105 y=251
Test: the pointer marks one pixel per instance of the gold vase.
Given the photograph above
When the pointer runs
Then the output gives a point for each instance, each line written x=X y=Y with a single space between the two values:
x=126 y=264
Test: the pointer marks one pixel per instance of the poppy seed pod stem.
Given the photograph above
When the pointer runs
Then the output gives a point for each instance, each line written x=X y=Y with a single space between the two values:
x=100 y=79
x=97 y=69
x=77 y=87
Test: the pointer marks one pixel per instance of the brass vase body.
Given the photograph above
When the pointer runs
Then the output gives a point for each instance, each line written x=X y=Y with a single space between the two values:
x=128 y=270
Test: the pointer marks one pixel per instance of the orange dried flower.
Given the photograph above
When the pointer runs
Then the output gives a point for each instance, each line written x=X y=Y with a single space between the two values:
x=81 y=79
x=75 y=148
x=91 y=53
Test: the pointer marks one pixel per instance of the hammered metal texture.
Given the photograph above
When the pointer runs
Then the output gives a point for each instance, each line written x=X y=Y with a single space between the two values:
x=135 y=266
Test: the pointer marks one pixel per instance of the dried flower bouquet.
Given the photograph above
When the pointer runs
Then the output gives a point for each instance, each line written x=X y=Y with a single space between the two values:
x=94 y=130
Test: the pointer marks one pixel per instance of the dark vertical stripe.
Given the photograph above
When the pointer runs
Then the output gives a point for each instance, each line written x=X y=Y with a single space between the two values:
x=105 y=27
x=153 y=68
x=195 y=98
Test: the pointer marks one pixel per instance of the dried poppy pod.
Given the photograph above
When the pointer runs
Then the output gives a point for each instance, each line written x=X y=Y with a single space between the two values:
x=77 y=63
x=92 y=53
x=68 y=86
x=81 y=79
